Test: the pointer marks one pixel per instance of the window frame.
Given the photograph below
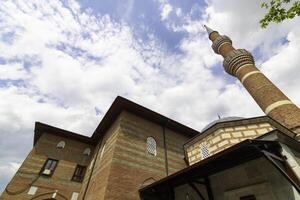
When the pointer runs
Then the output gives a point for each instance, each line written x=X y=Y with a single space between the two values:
x=204 y=146
x=148 y=152
x=51 y=171
x=61 y=144
x=74 y=177
x=87 y=151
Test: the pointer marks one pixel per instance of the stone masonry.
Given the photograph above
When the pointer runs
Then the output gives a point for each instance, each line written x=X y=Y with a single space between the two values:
x=223 y=138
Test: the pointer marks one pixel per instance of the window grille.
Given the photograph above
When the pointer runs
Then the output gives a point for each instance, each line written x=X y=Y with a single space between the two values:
x=151 y=146
x=74 y=196
x=61 y=145
x=79 y=173
x=49 y=167
x=32 y=190
x=204 y=151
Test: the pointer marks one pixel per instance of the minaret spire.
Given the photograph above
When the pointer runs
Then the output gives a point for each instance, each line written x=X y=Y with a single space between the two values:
x=240 y=63
x=208 y=30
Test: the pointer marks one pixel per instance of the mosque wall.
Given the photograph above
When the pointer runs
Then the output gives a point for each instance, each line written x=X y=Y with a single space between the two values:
x=222 y=138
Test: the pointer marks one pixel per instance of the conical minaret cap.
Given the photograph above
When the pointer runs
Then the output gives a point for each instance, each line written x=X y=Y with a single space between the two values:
x=209 y=30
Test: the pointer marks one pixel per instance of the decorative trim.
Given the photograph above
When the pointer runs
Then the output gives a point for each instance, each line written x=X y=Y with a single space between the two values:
x=219 y=41
x=246 y=65
x=222 y=45
x=276 y=105
x=249 y=74
x=235 y=59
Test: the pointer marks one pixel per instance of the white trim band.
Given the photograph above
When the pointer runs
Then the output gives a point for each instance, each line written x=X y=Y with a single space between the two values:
x=249 y=74
x=245 y=65
x=276 y=105
x=222 y=45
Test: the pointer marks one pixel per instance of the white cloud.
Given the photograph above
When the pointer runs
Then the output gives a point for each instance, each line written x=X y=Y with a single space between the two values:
x=166 y=10
x=178 y=12
x=79 y=61
x=13 y=72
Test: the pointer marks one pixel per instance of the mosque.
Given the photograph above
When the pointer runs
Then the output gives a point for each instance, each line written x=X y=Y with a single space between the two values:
x=136 y=153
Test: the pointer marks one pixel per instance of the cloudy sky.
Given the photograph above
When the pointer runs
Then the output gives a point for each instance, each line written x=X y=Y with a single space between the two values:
x=63 y=62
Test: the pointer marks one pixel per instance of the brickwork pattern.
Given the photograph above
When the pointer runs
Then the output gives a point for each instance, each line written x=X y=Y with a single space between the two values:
x=29 y=173
x=132 y=165
x=125 y=165
x=96 y=188
x=263 y=91
x=225 y=137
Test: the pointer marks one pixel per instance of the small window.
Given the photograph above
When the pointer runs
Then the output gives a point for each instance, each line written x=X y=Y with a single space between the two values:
x=204 y=151
x=61 y=145
x=49 y=167
x=32 y=190
x=187 y=196
x=74 y=196
x=151 y=146
x=248 y=197
x=87 y=151
x=79 y=173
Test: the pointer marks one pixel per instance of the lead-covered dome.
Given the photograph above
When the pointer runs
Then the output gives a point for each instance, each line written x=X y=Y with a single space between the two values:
x=225 y=119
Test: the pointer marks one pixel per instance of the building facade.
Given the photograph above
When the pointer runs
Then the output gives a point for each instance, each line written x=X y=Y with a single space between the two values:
x=136 y=153
x=133 y=146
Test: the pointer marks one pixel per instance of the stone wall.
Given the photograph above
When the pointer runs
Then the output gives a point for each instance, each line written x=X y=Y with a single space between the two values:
x=223 y=138
x=29 y=173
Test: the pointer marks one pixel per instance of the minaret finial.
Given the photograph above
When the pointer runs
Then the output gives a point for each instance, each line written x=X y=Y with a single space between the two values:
x=208 y=30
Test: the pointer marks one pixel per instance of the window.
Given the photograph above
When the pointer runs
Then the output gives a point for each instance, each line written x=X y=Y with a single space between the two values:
x=248 y=197
x=32 y=190
x=151 y=146
x=187 y=196
x=79 y=173
x=49 y=167
x=204 y=151
x=61 y=145
x=87 y=151
x=74 y=196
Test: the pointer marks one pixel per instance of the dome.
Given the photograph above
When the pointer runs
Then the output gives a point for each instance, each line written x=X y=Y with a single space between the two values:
x=225 y=119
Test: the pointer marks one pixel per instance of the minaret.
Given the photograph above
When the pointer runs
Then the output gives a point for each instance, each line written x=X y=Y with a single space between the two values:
x=240 y=63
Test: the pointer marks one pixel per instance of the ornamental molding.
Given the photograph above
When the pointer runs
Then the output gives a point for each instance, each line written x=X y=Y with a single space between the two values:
x=219 y=41
x=236 y=59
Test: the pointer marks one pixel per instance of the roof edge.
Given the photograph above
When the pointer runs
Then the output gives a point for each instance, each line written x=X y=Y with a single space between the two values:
x=121 y=103
x=41 y=128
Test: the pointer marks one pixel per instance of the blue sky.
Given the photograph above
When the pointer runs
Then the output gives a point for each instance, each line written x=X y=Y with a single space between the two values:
x=63 y=62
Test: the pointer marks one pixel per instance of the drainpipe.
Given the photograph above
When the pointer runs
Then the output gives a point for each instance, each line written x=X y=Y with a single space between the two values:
x=165 y=147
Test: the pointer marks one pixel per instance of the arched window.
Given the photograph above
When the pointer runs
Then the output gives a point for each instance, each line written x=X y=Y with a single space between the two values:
x=87 y=151
x=151 y=146
x=61 y=145
x=204 y=150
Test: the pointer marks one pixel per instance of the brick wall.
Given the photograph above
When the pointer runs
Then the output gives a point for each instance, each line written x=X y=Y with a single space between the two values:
x=119 y=170
x=128 y=164
x=96 y=189
x=28 y=173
